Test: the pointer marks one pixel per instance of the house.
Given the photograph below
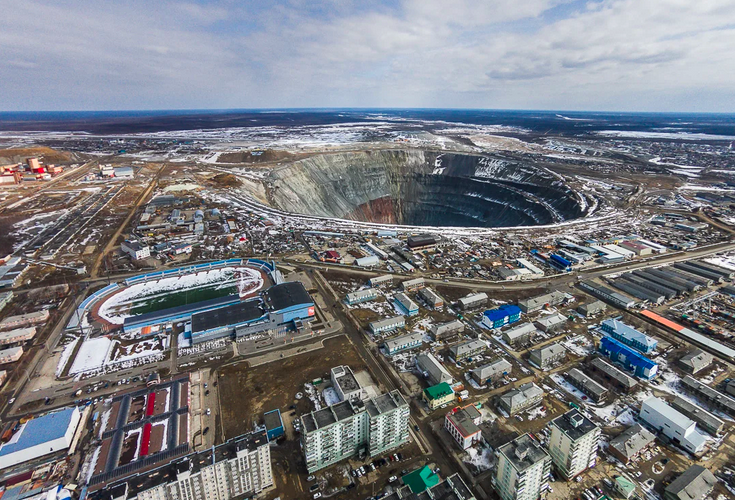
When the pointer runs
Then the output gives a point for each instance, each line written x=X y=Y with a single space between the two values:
x=438 y=395
x=387 y=325
x=501 y=316
x=519 y=335
x=524 y=397
x=611 y=376
x=551 y=322
x=402 y=343
x=629 y=444
x=492 y=371
x=361 y=296
x=433 y=370
x=444 y=331
x=695 y=361
x=405 y=304
x=694 y=484
x=135 y=249
x=472 y=301
x=585 y=384
x=10 y=355
x=547 y=356
x=431 y=298
x=467 y=349
x=592 y=308
x=414 y=284
x=462 y=425
x=537 y=303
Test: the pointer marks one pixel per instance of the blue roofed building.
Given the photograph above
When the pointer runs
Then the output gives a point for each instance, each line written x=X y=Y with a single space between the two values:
x=629 y=358
x=501 y=316
x=40 y=436
x=629 y=336
x=273 y=424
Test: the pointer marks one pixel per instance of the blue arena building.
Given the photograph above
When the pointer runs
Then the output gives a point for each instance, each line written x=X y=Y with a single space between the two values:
x=629 y=358
x=178 y=313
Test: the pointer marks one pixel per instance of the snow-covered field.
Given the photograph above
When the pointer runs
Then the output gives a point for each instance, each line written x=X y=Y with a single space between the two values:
x=102 y=354
x=92 y=355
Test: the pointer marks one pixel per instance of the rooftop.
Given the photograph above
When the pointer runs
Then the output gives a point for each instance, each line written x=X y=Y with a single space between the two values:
x=345 y=378
x=420 y=479
x=632 y=440
x=40 y=430
x=438 y=391
x=385 y=403
x=614 y=372
x=463 y=420
x=694 y=484
x=285 y=295
x=523 y=452
x=236 y=314
x=574 y=424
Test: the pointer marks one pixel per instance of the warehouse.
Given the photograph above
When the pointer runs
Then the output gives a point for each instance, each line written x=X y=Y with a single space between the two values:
x=585 y=384
x=537 y=303
x=473 y=301
x=637 y=248
x=669 y=284
x=608 y=295
x=376 y=251
x=411 y=285
x=39 y=437
x=361 y=296
x=444 y=331
x=639 y=292
x=592 y=308
x=664 y=275
x=467 y=349
x=685 y=275
x=665 y=290
x=726 y=274
x=551 y=323
x=135 y=249
x=526 y=264
x=423 y=241
x=387 y=325
x=704 y=419
x=492 y=371
x=681 y=430
x=501 y=316
x=630 y=359
x=369 y=261
x=5 y=299
x=402 y=343
x=519 y=335
x=698 y=271
x=704 y=392
x=386 y=279
x=547 y=356
x=629 y=336
x=431 y=298
x=612 y=376
x=432 y=369
x=405 y=304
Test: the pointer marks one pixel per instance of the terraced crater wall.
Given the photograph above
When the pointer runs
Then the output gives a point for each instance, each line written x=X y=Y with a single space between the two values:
x=424 y=188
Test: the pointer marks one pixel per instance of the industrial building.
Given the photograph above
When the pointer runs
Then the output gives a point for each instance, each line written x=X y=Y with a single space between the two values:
x=369 y=261
x=681 y=430
x=438 y=395
x=361 y=296
x=716 y=399
x=414 y=284
x=637 y=248
x=585 y=384
x=592 y=308
x=345 y=384
x=704 y=419
x=444 y=331
x=472 y=301
x=238 y=468
x=40 y=436
x=651 y=286
x=273 y=424
x=631 y=443
x=467 y=349
x=611 y=376
x=551 y=322
x=522 y=471
x=352 y=427
x=386 y=279
x=695 y=361
x=547 y=356
x=573 y=444
x=405 y=304
x=638 y=291
x=431 y=298
x=501 y=316
x=387 y=325
x=519 y=335
x=283 y=307
x=629 y=336
x=432 y=369
x=520 y=399
x=402 y=343
x=492 y=371
x=462 y=424
x=537 y=303
x=629 y=358
x=606 y=294
x=423 y=241
x=526 y=264
x=694 y=484
x=135 y=249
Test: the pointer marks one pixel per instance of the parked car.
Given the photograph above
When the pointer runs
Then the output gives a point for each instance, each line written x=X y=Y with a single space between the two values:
x=317 y=495
x=310 y=478
x=314 y=487
x=392 y=478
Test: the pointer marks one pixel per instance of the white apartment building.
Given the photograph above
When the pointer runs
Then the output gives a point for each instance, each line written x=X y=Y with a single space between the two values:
x=573 y=443
x=680 y=429
x=522 y=471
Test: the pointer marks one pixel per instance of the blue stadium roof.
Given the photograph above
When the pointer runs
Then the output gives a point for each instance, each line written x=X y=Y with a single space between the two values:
x=634 y=357
x=502 y=312
x=40 y=430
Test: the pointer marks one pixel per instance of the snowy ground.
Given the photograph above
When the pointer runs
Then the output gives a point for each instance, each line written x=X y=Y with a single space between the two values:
x=482 y=458
x=92 y=355
x=100 y=354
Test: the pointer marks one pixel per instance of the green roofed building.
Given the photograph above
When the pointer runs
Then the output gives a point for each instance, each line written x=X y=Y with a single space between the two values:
x=624 y=486
x=420 y=480
x=438 y=395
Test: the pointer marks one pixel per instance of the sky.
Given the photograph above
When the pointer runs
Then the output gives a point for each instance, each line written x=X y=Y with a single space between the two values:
x=599 y=55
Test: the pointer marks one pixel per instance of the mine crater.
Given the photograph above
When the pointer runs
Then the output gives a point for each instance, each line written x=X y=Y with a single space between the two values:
x=424 y=188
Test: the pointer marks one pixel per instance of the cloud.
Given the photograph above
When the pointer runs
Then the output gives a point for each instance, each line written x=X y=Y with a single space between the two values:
x=554 y=54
